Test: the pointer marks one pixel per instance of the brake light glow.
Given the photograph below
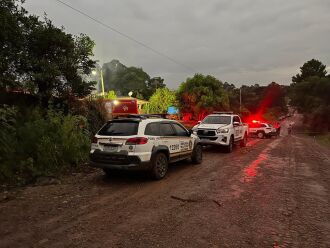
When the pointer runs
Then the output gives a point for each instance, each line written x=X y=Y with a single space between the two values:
x=137 y=141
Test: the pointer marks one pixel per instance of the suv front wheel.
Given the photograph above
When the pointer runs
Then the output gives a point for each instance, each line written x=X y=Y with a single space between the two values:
x=159 y=166
x=230 y=146
x=197 y=155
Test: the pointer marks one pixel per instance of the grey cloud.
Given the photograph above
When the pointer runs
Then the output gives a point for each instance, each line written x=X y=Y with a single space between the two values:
x=243 y=41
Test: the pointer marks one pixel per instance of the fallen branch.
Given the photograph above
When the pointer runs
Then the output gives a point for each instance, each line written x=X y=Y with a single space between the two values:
x=182 y=199
x=218 y=203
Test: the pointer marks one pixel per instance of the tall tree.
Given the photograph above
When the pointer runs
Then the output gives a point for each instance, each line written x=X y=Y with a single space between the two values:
x=252 y=96
x=311 y=97
x=152 y=85
x=124 y=79
x=56 y=61
x=273 y=97
x=161 y=100
x=234 y=96
x=14 y=24
x=201 y=95
x=312 y=68
x=45 y=60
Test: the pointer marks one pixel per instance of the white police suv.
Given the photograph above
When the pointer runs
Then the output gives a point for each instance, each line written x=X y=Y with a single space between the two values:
x=143 y=142
x=222 y=128
x=262 y=130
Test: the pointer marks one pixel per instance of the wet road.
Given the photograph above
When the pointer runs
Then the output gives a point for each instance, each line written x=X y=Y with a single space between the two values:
x=273 y=193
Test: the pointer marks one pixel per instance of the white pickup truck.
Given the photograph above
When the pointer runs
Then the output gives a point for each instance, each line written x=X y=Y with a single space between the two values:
x=222 y=129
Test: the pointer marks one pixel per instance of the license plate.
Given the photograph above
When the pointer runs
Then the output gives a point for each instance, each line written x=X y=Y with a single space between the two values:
x=110 y=148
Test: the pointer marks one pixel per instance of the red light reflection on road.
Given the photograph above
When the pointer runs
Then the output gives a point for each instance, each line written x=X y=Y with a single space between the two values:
x=252 y=142
x=252 y=170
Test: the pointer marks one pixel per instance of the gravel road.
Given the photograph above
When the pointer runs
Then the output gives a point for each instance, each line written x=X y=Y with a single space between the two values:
x=273 y=193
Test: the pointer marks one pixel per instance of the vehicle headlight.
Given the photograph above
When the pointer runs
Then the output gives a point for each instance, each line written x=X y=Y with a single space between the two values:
x=223 y=130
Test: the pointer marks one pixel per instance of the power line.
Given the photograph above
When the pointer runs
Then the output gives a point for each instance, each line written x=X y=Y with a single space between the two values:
x=126 y=36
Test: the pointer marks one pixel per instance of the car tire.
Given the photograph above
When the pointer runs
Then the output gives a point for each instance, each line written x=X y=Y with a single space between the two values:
x=230 y=147
x=197 y=154
x=159 y=165
x=260 y=135
x=108 y=172
x=244 y=141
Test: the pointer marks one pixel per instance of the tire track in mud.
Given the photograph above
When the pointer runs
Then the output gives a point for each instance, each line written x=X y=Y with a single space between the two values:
x=296 y=200
x=120 y=195
x=128 y=211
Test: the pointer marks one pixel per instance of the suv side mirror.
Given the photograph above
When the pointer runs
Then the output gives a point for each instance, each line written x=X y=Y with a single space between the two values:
x=190 y=132
x=236 y=123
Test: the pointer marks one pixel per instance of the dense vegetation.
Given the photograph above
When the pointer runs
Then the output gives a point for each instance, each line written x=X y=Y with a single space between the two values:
x=160 y=101
x=123 y=79
x=45 y=126
x=310 y=94
x=44 y=66
x=202 y=95
x=40 y=58
x=37 y=144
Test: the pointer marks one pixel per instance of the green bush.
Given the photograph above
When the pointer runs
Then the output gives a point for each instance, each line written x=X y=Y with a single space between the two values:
x=40 y=144
x=93 y=110
x=325 y=138
x=7 y=139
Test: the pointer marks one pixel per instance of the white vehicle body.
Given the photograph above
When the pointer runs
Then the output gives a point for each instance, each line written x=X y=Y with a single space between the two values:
x=132 y=143
x=262 y=130
x=222 y=129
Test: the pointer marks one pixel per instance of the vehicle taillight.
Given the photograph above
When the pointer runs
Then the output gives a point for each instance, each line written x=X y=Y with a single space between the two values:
x=94 y=140
x=137 y=141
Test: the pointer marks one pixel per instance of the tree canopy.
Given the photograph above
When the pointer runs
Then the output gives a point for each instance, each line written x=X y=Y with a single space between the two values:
x=310 y=95
x=40 y=58
x=123 y=79
x=312 y=68
x=202 y=94
x=161 y=100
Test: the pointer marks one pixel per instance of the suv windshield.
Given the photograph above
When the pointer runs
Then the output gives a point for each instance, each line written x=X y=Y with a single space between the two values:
x=217 y=120
x=119 y=128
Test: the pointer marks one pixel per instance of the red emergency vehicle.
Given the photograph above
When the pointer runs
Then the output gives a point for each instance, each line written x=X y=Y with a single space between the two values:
x=120 y=107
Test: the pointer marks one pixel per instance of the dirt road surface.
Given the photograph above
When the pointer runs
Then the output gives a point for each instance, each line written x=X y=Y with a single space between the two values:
x=273 y=193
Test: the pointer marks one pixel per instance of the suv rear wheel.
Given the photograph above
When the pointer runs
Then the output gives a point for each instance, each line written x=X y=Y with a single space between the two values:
x=260 y=135
x=244 y=141
x=197 y=155
x=159 y=166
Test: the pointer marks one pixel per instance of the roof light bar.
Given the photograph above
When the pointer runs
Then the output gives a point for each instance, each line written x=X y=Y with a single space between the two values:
x=223 y=113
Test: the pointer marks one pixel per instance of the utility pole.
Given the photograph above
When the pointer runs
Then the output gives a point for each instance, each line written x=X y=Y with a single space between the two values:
x=102 y=82
x=94 y=72
x=240 y=99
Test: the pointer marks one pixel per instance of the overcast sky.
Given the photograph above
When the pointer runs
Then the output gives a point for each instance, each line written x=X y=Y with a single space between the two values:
x=238 y=41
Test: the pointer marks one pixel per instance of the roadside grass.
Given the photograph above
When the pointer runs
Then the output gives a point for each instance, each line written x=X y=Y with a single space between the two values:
x=324 y=139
